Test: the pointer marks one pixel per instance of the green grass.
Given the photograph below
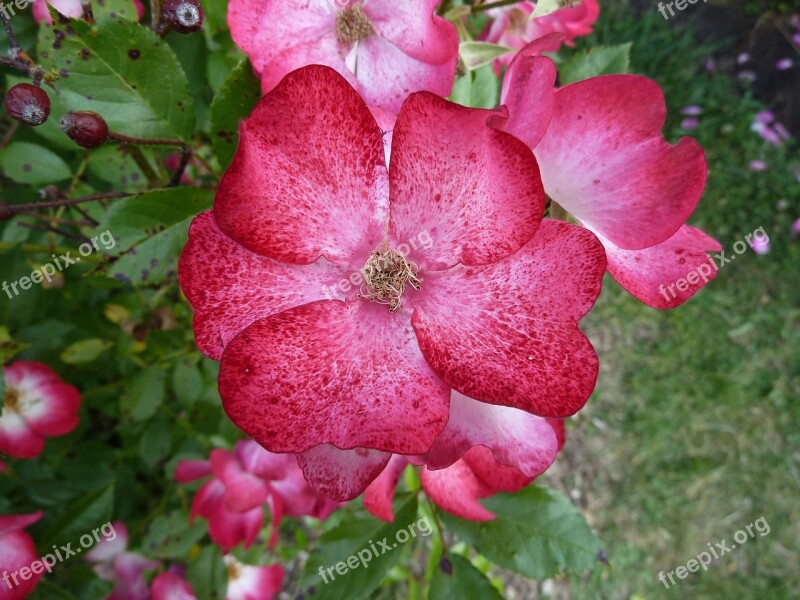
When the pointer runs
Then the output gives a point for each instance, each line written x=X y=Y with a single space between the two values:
x=693 y=431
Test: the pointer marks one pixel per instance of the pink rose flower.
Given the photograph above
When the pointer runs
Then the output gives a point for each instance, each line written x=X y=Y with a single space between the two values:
x=385 y=48
x=489 y=307
x=245 y=582
x=112 y=562
x=17 y=551
x=602 y=158
x=38 y=404
x=511 y=26
x=242 y=482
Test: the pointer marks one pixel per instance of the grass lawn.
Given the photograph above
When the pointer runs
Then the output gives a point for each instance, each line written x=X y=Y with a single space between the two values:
x=694 y=430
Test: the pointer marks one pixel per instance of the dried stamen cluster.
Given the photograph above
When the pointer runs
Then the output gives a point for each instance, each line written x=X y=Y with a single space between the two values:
x=386 y=275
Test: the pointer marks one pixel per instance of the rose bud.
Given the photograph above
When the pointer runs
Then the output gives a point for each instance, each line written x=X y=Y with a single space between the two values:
x=28 y=103
x=85 y=128
x=184 y=16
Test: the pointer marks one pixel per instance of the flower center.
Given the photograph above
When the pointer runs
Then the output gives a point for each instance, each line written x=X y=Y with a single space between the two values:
x=12 y=400
x=352 y=25
x=386 y=275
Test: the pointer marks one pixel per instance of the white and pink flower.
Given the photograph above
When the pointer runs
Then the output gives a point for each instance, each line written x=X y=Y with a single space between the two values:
x=37 y=404
x=17 y=551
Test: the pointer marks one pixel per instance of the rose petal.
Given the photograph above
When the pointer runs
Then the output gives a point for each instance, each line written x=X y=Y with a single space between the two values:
x=456 y=489
x=349 y=374
x=603 y=159
x=254 y=286
x=650 y=275
x=300 y=186
x=341 y=474
x=515 y=438
x=528 y=94
x=474 y=189
x=378 y=496
x=507 y=333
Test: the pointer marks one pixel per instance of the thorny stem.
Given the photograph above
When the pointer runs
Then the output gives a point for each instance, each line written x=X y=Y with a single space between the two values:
x=13 y=209
x=12 y=39
x=51 y=229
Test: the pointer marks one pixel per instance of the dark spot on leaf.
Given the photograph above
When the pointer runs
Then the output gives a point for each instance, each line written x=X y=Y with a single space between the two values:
x=69 y=30
x=57 y=45
x=145 y=273
x=44 y=54
x=26 y=167
x=84 y=53
x=446 y=566
x=134 y=177
x=59 y=34
x=113 y=15
x=134 y=54
x=153 y=262
x=63 y=73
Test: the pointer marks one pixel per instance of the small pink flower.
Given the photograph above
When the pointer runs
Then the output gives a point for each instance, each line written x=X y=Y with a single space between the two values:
x=692 y=110
x=310 y=203
x=603 y=159
x=511 y=26
x=711 y=65
x=784 y=64
x=796 y=228
x=385 y=48
x=747 y=75
x=743 y=58
x=38 y=404
x=17 y=551
x=242 y=482
x=112 y=562
x=690 y=123
x=171 y=586
x=761 y=245
x=757 y=165
x=248 y=582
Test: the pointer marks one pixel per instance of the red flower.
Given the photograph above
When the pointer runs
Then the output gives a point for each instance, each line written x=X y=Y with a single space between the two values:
x=386 y=48
x=38 y=404
x=242 y=482
x=602 y=158
x=17 y=551
x=306 y=203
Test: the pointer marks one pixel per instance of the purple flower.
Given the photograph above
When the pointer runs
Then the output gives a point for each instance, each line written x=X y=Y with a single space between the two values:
x=758 y=165
x=784 y=64
x=690 y=123
x=692 y=110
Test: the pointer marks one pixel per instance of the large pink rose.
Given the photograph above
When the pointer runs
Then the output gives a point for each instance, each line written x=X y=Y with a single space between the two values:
x=488 y=308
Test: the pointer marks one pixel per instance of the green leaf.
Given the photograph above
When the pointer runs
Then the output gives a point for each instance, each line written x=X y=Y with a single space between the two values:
x=155 y=443
x=8 y=348
x=85 y=351
x=124 y=72
x=208 y=575
x=235 y=100
x=29 y=163
x=461 y=581
x=600 y=60
x=83 y=516
x=478 y=54
x=478 y=89
x=359 y=533
x=545 y=7
x=187 y=382
x=171 y=536
x=114 y=165
x=538 y=533
x=145 y=395
x=151 y=230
